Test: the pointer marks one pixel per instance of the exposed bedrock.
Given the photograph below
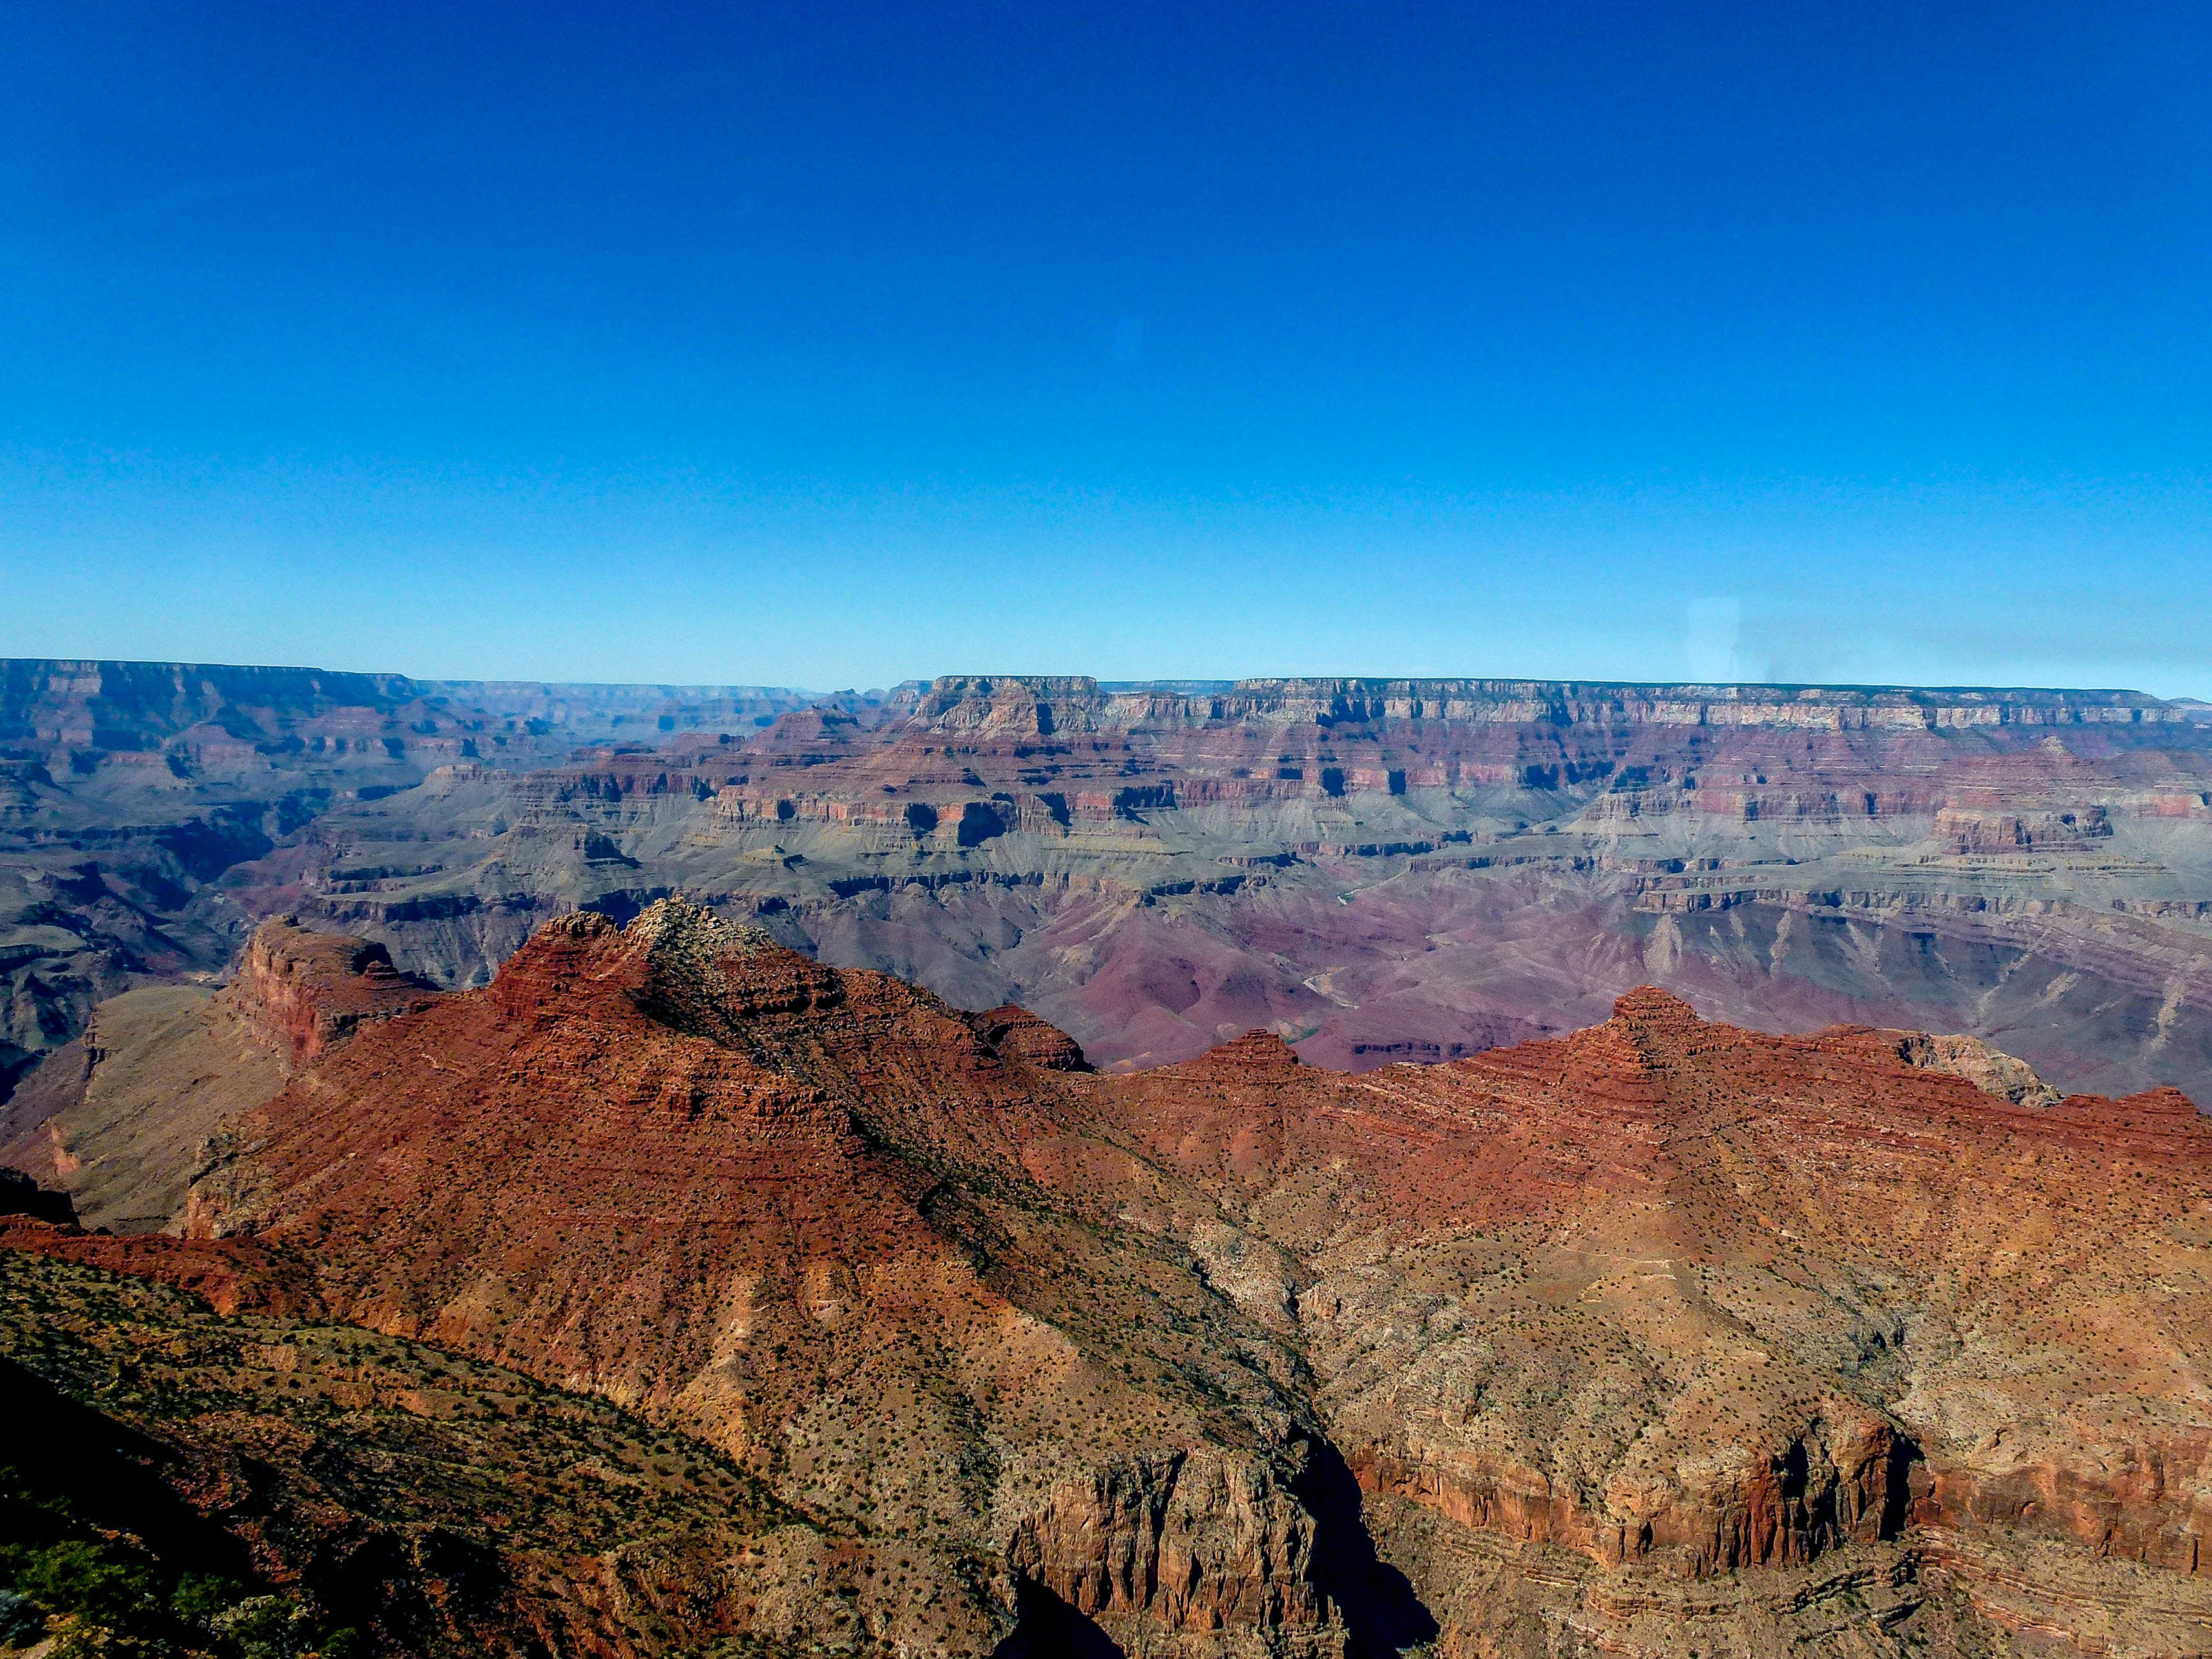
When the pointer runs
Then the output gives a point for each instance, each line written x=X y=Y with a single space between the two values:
x=1829 y=1485
x=118 y=1117
x=1248 y=1355
x=129 y=790
x=1195 y=1540
x=307 y=990
x=1378 y=871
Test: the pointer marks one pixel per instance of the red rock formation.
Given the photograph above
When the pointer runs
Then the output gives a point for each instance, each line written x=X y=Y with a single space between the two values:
x=1021 y=1035
x=797 y=1211
x=1665 y=1296
x=1668 y=1215
x=1383 y=869
x=308 y=990
x=1193 y=1540
x=231 y=1275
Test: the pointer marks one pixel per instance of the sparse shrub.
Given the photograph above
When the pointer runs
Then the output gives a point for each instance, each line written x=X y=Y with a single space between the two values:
x=91 y=1580
x=201 y=1598
x=265 y=1627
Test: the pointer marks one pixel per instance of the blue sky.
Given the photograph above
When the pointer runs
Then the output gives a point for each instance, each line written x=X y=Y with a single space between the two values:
x=831 y=346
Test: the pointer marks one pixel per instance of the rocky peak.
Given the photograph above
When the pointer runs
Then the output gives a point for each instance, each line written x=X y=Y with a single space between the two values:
x=1650 y=1008
x=1654 y=1030
x=1257 y=1051
x=678 y=962
x=703 y=974
x=1017 y=1033
x=680 y=936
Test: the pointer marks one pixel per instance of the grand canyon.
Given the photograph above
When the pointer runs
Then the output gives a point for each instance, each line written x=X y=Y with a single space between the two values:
x=1023 y=1165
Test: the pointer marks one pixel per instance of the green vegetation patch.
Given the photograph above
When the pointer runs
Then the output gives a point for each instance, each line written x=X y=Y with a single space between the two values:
x=181 y=1482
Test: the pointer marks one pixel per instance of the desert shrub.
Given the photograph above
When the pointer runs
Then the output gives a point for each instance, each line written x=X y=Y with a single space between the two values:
x=96 y=1582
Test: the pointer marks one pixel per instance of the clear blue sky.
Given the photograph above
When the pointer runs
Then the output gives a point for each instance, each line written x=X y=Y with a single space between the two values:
x=832 y=345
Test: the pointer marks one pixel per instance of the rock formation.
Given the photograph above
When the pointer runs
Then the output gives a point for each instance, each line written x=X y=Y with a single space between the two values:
x=305 y=990
x=1376 y=870
x=20 y=1195
x=1663 y=1333
x=117 y=1118
x=128 y=789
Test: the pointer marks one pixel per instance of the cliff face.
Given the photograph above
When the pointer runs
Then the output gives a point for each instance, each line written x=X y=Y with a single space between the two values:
x=1195 y=1541
x=117 y=1118
x=304 y=991
x=1154 y=868
x=1825 y=1486
x=1672 y=1293
x=844 y=1233
x=127 y=790
x=1245 y=1355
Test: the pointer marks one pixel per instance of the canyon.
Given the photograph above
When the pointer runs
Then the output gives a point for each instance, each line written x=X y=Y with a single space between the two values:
x=1660 y=1336
x=127 y=788
x=1021 y=1165
x=1375 y=870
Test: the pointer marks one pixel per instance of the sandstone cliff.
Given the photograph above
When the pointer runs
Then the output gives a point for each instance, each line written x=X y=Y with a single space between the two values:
x=118 y=1118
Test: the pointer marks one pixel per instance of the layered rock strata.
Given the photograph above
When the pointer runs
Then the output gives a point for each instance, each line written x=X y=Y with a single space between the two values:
x=1247 y=1355
x=1377 y=870
x=127 y=790
x=118 y=1118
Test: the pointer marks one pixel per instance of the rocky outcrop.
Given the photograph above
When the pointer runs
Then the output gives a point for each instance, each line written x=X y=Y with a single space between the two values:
x=816 y=1219
x=1193 y=1541
x=1824 y=1487
x=1020 y=1034
x=1383 y=869
x=1988 y=1069
x=307 y=990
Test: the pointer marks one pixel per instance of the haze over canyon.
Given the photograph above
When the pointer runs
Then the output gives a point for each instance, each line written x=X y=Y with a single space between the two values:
x=1375 y=870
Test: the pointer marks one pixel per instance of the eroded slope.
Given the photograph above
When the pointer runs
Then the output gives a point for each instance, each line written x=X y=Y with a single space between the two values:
x=1845 y=1320
x=1378 y=870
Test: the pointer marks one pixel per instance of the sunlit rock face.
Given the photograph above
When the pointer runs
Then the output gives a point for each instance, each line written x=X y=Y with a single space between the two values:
x=1249 y=1355
x=1375 y=870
